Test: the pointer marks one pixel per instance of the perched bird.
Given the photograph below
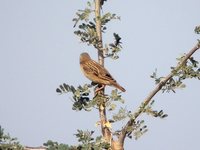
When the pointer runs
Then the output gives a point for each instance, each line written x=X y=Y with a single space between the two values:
x=96 y=72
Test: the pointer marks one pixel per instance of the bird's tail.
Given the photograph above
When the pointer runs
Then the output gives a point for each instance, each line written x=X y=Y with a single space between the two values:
x=119 y=87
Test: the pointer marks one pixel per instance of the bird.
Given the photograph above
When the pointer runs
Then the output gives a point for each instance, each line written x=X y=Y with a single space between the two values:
x=97 y=73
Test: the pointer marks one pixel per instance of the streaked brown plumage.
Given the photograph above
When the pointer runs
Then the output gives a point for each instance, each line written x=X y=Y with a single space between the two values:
x=96 y=72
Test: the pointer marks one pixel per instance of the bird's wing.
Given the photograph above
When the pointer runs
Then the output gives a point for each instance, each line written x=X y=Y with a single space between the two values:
x=90 y=68
x=95 y=69
x=102 y=72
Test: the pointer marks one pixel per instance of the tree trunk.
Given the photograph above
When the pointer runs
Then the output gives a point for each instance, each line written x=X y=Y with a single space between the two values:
x=102 y=110
x=116 y=145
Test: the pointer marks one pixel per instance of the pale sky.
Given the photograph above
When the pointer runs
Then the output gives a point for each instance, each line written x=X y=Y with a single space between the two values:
x=39 y=52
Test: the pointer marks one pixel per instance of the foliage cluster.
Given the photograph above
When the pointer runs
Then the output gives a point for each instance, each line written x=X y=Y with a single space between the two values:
x=8 y=143
x=87 y=142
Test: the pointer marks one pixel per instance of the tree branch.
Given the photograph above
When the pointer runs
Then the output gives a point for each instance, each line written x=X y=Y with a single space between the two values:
x=102 y=111
x=98 y=30
x=148 y=99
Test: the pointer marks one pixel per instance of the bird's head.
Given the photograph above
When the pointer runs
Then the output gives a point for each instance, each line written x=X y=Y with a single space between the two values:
x=84 y=57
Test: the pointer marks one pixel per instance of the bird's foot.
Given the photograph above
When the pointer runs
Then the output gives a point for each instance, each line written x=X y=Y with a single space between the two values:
x=99 y=89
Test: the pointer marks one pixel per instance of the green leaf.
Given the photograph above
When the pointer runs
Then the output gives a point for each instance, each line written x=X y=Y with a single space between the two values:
x=197 y=30
x=58 y=90
x=182 y=86
x=112 y=107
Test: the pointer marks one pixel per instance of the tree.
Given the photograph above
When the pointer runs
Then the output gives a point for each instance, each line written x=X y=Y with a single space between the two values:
x=91 y=25
x=8 y=143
